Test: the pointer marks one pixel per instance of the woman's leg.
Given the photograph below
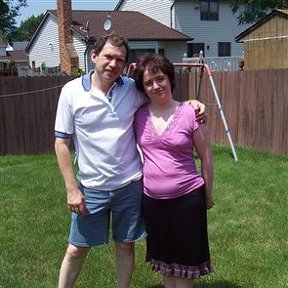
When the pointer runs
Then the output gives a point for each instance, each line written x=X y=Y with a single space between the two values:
x=183 y=283
x=177 y=282
x=169 y=282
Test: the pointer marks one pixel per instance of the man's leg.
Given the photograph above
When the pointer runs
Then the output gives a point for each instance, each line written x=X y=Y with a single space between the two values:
x=71 y=265
x=125 y=258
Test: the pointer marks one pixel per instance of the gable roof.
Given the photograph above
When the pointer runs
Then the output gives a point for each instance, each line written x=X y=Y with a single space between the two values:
x=132 y=25
x=283 y=13
x=15 y=56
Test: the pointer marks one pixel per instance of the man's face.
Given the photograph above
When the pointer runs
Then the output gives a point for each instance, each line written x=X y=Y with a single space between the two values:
x=110 y=62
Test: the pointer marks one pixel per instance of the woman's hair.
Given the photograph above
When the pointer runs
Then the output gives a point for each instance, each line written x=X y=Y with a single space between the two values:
x=153 y=63
x=114 y=39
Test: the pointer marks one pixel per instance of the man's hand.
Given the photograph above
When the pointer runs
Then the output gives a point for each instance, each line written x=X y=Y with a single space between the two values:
x=76 y=201
x=201 y=112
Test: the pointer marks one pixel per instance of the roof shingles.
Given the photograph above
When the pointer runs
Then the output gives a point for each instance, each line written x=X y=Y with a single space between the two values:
x=132 y=25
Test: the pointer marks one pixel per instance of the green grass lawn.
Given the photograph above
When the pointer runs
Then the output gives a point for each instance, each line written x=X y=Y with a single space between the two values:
x=248 y=227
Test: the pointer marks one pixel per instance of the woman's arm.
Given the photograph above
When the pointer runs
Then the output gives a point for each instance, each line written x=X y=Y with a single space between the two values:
x=201 y=140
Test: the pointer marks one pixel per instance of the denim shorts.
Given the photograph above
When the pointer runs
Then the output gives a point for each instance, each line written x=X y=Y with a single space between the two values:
x=122 y=208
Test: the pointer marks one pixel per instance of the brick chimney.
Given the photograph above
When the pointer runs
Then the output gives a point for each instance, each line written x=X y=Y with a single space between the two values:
x=68 y=55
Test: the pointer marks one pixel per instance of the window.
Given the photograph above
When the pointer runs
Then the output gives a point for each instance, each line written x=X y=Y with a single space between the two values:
x=209 y=10
x=224 y=49
x=193 y=49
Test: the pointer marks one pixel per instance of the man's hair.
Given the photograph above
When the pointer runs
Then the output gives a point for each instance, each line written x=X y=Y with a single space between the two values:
x=153 y=63
x=114 y=39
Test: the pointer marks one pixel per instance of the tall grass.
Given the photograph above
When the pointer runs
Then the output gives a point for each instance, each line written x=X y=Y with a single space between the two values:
x=248 y=227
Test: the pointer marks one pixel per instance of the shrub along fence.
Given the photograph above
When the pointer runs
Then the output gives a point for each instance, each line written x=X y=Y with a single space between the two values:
x=255 y=106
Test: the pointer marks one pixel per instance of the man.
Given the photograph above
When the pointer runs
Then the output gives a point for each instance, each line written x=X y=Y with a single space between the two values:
x=97 y=112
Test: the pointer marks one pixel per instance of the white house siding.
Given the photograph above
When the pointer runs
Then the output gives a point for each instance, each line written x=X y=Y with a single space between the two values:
x=80 y=49
x=45 y=48
x=158 y=10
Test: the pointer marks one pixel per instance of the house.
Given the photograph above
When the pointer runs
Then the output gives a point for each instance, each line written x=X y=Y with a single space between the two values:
x=210 y=23
x=12 y=58
x=266 y=42
x=65 y=38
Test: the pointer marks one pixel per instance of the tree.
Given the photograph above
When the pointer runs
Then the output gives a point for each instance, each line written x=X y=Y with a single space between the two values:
x=9 y=10
x=251 y=11
x=27 y=28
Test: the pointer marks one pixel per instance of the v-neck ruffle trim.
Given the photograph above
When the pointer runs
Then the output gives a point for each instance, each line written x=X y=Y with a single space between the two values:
x=170 y=125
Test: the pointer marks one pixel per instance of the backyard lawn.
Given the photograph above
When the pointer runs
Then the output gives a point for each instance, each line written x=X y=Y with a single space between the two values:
x=248 y=228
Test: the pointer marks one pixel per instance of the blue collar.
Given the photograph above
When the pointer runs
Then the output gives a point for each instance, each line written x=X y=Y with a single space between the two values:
x=86 y=81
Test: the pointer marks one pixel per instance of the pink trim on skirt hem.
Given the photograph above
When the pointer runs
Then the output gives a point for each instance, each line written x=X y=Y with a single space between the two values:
x=183 y=271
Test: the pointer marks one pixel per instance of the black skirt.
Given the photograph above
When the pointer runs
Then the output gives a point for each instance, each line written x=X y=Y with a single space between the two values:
x=177 y=241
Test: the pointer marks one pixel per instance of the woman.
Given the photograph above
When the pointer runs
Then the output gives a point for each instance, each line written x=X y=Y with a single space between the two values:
x=176 y=197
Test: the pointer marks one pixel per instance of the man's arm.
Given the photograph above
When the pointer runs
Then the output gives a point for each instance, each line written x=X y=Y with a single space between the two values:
x=75 y=199
x=200 y=110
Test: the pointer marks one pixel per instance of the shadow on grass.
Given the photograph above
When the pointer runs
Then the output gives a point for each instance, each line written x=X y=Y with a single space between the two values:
x=216 y=284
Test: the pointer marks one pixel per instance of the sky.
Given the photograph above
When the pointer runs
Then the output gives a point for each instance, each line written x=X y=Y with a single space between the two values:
x=36 y=7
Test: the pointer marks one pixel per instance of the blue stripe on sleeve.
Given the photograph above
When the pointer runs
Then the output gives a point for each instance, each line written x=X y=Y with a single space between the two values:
x=62 y=135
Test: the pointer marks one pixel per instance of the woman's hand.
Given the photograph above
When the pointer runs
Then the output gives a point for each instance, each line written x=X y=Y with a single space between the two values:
x=209 y=201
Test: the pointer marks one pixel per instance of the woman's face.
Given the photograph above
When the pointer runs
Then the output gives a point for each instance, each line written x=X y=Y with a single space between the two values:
x=157 y=85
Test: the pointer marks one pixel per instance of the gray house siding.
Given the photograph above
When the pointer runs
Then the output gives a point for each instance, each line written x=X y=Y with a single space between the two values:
x=3 y=51
x=173 y=50
x=188 y=21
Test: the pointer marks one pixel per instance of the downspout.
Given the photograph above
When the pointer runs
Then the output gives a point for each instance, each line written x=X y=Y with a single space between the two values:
x=171 y=8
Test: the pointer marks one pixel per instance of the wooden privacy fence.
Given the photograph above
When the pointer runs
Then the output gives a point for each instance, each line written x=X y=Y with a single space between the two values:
x=255 y=106
x=27 y=113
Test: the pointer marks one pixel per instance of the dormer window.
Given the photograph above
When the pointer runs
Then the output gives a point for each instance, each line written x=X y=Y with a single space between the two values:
x=209 y=10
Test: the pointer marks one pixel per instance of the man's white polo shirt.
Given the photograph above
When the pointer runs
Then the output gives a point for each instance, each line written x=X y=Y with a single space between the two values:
x=102 y=131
